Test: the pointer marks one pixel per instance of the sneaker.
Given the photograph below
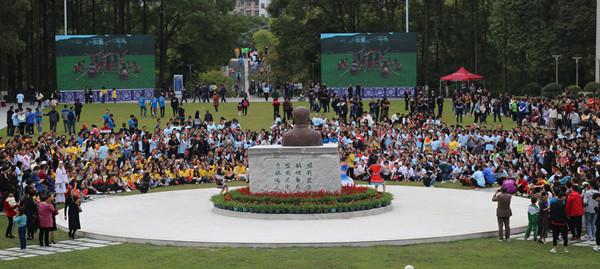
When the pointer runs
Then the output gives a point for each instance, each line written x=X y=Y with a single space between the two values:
x=566 y=250
x=596 y=248
x=553 y=250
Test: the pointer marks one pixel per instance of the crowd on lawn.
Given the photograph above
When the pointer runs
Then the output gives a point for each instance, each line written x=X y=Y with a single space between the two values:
x=554 y=150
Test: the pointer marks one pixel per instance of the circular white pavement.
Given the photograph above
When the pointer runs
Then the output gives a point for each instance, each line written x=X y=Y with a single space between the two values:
x=185 y=218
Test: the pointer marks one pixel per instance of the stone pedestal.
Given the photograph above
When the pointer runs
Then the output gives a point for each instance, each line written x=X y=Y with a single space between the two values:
x=274 y=168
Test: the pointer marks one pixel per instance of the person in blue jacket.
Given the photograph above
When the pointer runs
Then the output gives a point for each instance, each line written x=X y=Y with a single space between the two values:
x=142 y=104
x=154 y=106
x=38 y=119
x=161 y=104
x=490 y=175
x=30 y=120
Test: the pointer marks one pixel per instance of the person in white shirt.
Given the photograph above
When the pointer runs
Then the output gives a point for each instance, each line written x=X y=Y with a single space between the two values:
x=20 y=100
x=62 y=178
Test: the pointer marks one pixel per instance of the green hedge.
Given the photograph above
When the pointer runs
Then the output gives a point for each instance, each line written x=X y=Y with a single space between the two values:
x=381 y=200
x=264 y=199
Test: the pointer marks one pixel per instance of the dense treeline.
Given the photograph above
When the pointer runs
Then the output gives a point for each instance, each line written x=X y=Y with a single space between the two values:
x=198 y=32
x=511 y=42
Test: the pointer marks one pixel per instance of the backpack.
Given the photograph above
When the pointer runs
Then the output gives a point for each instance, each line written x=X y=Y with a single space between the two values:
x=509 y=185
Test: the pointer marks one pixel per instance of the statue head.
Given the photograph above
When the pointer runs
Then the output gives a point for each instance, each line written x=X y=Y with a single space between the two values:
x=301 y=116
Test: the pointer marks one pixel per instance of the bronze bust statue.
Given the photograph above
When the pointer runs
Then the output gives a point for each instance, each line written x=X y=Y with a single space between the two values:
x=302 y=134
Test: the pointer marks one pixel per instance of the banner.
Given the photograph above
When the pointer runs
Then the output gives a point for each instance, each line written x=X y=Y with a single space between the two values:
x=123 y=95
x=178 y=83
x=377 y=92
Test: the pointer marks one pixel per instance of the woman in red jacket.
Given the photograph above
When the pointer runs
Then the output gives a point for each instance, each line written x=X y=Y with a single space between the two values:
x=10 y=206
x=574 y=210
x=46 y=212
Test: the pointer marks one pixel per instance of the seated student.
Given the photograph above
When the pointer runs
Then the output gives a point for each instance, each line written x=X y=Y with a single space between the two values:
x=241 y=172
x=204 y=174
x=522 y=186
x=477 y=179
x=229 y=176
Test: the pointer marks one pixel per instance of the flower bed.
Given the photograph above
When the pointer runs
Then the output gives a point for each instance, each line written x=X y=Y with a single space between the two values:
x=348 y=200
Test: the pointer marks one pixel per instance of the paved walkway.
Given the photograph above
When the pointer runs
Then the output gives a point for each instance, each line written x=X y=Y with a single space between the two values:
x=61 y=247
x=466 y=214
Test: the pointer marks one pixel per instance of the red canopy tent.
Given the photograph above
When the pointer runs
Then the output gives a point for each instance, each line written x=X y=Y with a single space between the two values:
x=461 y=75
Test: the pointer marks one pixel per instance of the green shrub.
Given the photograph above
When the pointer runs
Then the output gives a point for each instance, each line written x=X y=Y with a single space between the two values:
x=551 y=90
x=592 y=87
x=217 y=77
x=573 y=89
x=306 y=207
x=532 y=89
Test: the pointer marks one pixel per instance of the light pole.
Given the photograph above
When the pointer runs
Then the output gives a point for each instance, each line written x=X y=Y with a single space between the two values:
x=577 y=58
x=556 y=57
x=65 y=15
x=406 y=12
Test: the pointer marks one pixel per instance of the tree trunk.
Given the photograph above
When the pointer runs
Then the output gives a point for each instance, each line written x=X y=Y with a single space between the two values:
x=162 y=62
x=94 y=17
x=144 y=17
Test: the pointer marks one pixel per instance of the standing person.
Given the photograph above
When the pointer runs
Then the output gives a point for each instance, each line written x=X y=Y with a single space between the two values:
x=533 y=213
x=9 y=207
x=72 y=121
x=103 y=94
x=266 y=90
x=287 y=109
x=276 y=106
x=596 y=198
x=503 y=213
x=459 y=108
x=440 y=105
x=558 y=222
x=72 y=210
x=38 y=119
x=142 y=104
x=62 y=179
x=53 y=118
x=543 y=218
x=245 y=105
x=406 y=100
x=215 y=100
x=30 y=208
x=574 y=211
x=114 y=95
x=30 y=119
x=590 y=213
x=78 y=107
x=154 y=107
x=222 y=93
x=65 y=117
x=174 y=104
x=39 y=96
x=374 y=172
x=21 y=222
x=20 y=100
x=10 y=129
x=197 y=91
x=161 y=104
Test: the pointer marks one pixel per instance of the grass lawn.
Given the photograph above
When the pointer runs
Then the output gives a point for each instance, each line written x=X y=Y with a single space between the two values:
x=476 y=254
x=371 y=77
x=260 y=114
x=69 y=80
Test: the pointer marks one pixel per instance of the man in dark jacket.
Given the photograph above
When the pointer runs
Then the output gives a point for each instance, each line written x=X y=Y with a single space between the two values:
x=53 y=118
x=558 y=221
x=503 y=212
x=11 y=128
